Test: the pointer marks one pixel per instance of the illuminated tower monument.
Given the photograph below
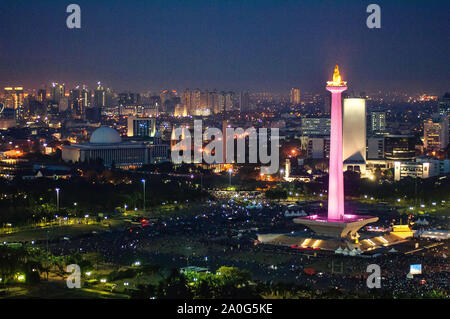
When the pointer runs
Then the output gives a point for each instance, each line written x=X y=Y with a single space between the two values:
x=336 y=223
x=336 y=177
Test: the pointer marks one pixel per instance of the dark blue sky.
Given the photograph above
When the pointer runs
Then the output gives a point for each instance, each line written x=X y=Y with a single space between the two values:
x=256 y=45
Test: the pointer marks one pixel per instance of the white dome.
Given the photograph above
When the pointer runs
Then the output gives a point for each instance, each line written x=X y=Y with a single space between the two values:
x=105 y=135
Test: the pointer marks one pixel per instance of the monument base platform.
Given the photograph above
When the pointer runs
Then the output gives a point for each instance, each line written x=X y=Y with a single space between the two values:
x=345 y=228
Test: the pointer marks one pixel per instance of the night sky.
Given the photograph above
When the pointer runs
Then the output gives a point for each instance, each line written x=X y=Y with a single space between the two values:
x=256 y=45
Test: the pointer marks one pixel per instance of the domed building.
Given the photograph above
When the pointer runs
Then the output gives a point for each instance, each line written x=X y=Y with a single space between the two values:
x=105 y=135
x=106 y=144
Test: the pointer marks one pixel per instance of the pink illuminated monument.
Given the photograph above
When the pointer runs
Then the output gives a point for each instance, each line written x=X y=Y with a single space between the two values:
x=336 y=223
x=336 y=177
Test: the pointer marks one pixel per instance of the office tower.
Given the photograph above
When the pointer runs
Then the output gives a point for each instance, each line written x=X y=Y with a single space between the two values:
x=354 y=134
x=316 y=126
x=186 y=100
x=204 y=99
x=244 y=101
x=213 y=102
x=78 y=101
x=63 y=104
x=141 y=126
x=109 y=97
x=220 y=103
x=57 y=91
x=399 y=147
x=378 y=122
x=13 y=97
x=294 y=96
x=42 y=95
x=99 y=96
x=435 y=133
x=131 y=99
x=229 y=101
x=195 y=100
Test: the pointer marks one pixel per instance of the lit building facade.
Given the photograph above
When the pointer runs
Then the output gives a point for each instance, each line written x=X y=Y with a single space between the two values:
x=106 y=145
x=13 y=97
x=421 y=168
x=141 y=126
x=399 y=147
x=316 y=126
x=294 y=96
x=378 y=122
x=354 y=134
x=435 y=133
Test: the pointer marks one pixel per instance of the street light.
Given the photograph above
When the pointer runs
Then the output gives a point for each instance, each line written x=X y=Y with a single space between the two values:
x=57 y=199
x=230 y=171
x=143 y=183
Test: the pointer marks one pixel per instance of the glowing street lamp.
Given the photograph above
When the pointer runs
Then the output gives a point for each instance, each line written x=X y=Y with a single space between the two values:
x=230 y=171
x=57 y=199
x=143 y=184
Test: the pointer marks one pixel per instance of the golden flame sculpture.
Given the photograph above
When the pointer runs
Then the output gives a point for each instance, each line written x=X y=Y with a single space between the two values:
x=337 y=81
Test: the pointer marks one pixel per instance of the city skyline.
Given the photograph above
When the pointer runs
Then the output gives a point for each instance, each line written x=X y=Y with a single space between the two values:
x=226 y=45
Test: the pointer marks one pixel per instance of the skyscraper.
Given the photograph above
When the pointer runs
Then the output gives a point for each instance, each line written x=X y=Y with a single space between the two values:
x=378 y=122
x=99 y=96
x=294 y=97
x=57 y=91
x=244 y=101
x=13 y=97
x=435 y=133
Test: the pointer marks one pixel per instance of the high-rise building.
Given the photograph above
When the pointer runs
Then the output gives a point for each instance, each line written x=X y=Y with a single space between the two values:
x=244 y=101
x=378 y=122
x=131 y=99
x=195 y=100
x=57 y=91
x=220 y=103
x=41 y=95
x=435 y=133
x=13 y=97
x=100 y=96
x=316 y=126
x=186 y=100
x=354 y=134
x=141 y=126
x=294 y=96
x=229 y=101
